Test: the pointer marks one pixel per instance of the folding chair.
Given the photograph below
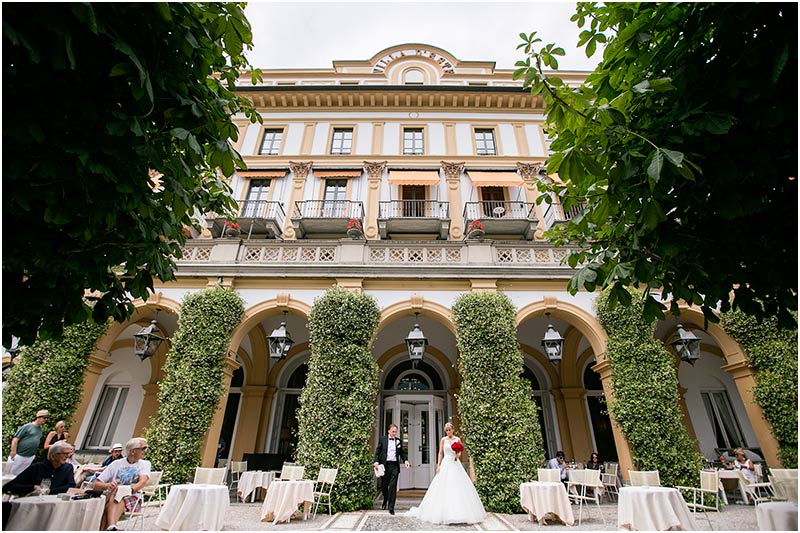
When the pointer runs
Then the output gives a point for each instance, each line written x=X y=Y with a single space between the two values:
x=324 y=487
x=152 y=488
x=549 y=474
x=644 y=478
x=211 y=476
x=709 y=484
x=237 y=468
x=582 y=480
x=759 y=492
x=784 y=489
x=610 y=480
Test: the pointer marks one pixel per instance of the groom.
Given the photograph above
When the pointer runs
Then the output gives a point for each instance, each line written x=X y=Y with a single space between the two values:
x=389 y=453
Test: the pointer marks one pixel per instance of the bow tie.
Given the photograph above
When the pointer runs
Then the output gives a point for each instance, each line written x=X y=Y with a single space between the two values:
x=391 y=438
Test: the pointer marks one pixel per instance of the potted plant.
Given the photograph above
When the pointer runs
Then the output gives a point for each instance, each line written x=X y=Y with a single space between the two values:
x=232 y=229
x=354 y=229
x=475 y=230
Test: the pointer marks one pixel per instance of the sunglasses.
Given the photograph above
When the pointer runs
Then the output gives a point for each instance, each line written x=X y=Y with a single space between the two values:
x=143 y=448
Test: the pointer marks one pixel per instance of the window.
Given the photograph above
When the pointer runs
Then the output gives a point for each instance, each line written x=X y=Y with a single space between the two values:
x=342 y=142
x=333 y=205
x=727 y=432
x=413 y=77
x=106 y=417
x=256 y=199
x=271 y=144
x=413 y=141
x=484 y=141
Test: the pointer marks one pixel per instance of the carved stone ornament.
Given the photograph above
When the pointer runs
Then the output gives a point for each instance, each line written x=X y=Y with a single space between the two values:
x=452 y=171
x=300 y=170
x=529 y=171
x=374 y=168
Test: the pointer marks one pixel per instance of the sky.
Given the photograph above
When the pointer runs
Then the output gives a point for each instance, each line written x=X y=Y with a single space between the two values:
x=304 y=34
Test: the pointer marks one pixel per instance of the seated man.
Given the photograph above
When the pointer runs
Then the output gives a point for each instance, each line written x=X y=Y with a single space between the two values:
x=132 y=470
x=56 y=467
x=114 y=453
x=558 y=462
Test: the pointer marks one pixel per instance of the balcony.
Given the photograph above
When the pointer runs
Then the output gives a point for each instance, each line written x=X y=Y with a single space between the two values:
x=325 y=218
x=503 y=220
x=556 y=214
x=258 y=218
x=419 y=218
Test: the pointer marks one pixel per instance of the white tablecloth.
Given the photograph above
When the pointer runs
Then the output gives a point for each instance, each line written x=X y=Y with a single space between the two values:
x=251 y=480
x=7 y=478
x=283 y=498
x=540 y=498
x=653 y=509
x=777 y=516
x=731 y=474
x=54 y=514
x=191 y=507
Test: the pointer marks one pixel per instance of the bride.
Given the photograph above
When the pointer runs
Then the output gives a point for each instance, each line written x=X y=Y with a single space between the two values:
x=451 y=497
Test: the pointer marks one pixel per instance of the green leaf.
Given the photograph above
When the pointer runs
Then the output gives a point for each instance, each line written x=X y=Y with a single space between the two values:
x=676 y=158
x=655 y=167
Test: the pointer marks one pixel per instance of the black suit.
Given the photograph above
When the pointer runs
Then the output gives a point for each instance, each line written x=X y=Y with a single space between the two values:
x=392 y=468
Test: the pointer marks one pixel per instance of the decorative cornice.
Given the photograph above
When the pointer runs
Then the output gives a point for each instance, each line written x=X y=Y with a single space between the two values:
x=300 y=170
x=374 y=168
x=452 y=171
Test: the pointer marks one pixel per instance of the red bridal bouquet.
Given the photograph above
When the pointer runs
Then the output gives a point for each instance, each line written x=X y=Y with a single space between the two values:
x=457 y=446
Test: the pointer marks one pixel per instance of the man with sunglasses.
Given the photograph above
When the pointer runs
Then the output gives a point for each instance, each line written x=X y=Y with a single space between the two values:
x=56 y=468
x=26 y=442
x=132 y=471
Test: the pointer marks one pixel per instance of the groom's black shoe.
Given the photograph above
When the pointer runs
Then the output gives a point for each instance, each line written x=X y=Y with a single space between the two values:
x=383 y=505
x=391 y=511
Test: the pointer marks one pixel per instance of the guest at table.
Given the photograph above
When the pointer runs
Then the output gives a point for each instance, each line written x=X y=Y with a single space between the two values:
x=133 y=470
x=56 y=467
x=594 y=462
x=25 y=442
x=558 y=463
x=114 y=453
x=58 y=433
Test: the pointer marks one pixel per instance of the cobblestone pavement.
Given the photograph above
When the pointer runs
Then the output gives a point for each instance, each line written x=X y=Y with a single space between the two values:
x=246 y=517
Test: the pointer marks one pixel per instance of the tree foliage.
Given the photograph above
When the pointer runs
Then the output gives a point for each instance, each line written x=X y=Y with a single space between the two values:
x=681 y=151
x=646 y=404
x=499 y=420
x=99 y=97
x=337 y=406
x=49 y=375
x=189 y=394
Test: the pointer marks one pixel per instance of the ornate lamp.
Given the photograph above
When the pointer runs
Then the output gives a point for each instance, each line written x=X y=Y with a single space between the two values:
x=280 y=342
x=687 y=345
x=416 y=342
x=147 y=341
x=553 y=343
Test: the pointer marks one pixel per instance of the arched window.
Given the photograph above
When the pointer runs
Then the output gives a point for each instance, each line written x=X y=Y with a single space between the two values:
x=424 y=373
x=413 y=77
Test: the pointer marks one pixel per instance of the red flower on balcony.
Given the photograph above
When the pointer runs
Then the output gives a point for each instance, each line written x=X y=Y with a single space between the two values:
x=231 y=225
x=354 y=224
x=475 y=224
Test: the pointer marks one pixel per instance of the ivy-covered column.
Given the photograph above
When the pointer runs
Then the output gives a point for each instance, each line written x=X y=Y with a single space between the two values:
x=193 y=381
x=771 y=351
x=499 y=422
x=48 y=375
x=337 y=406
x=645 y=403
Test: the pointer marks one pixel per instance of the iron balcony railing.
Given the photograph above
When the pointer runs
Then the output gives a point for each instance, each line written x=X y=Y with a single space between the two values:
x=261 y=209
x=329 y=209
x=414 y=209
x=555 y=212
x=490 y=209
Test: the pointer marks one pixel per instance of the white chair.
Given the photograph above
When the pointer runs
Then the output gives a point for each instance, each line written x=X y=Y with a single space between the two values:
x=709 y=484
x=581 y=481
x=549 y=474
x=644 y=478
x=759 y=492
x=151 y=489
x=211 y=476
x=291 y=472
x=784 y=489
x=323 y=487
x=237 y=468
x=610 y=480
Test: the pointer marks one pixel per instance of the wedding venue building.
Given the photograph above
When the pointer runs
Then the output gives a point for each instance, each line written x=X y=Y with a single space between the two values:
x=412 y=176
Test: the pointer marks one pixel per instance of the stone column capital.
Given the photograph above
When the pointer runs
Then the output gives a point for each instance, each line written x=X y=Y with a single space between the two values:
x=452 y=171
x=300 y=169
x=529 y=171
x=374 y=169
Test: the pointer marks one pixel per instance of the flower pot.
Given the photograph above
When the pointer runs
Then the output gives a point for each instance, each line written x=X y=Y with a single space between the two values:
x=355 y=233
x=232 y=233
x=475 y=234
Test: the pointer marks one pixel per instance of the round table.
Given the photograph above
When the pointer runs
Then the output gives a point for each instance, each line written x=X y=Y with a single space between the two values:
x=540 y=498
x=653 y=509
x=777 y=516
x=283 y=499
x=252 y=480
x=51 y=513
x=192 y=507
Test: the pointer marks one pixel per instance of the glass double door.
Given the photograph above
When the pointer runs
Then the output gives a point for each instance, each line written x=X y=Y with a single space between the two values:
x=419 y=419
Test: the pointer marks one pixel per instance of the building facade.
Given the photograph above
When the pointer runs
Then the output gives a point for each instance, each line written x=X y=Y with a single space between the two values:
x=438 y=162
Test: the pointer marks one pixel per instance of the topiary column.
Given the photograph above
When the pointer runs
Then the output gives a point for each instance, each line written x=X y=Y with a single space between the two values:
x=337 y=406
x=49 y=375
x=646 y=403
x=499 y=419
x=193 y=381
x=772 y=351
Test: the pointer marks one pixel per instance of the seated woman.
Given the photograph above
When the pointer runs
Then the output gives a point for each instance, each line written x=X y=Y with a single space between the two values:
x=56 y=467
x=132 y=470
x=594 y=462
x=59 y=433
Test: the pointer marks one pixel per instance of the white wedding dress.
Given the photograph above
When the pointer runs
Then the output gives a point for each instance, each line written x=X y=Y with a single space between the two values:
x=451 y=497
